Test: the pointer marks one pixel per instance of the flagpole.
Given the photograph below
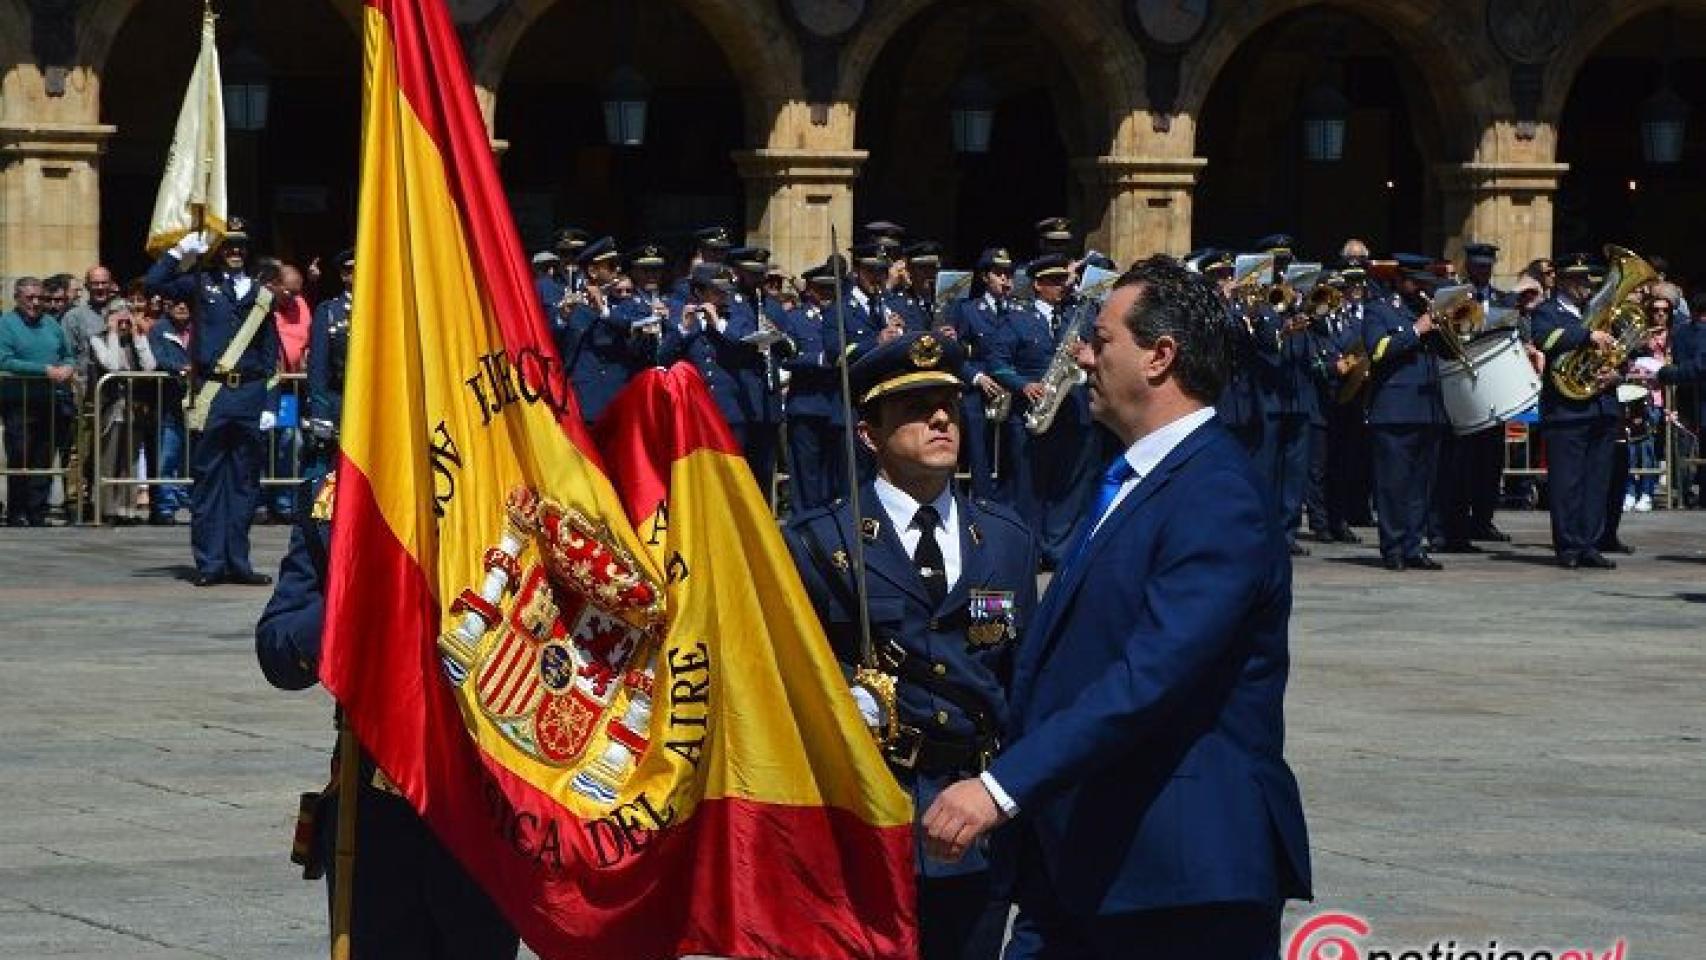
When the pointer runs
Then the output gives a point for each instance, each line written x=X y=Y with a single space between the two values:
x=343 y=860
x=867 y=651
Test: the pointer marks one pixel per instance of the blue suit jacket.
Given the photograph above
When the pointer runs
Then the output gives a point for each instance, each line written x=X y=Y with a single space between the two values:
x=1558 y=332
x=1148 y=700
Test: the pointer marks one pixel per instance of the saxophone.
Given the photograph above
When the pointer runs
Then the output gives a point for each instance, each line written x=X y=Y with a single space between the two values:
x=1063 y=373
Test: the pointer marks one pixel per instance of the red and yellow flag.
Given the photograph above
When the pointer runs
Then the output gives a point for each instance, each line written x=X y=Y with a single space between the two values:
x=604 y=689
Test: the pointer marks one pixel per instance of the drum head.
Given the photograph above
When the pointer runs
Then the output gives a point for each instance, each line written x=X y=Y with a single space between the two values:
x=1631 y=393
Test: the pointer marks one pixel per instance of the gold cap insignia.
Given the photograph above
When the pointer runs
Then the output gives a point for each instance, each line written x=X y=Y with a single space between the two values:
x=926 y=352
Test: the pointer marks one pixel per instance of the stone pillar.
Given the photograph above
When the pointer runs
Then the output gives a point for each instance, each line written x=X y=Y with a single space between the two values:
x=792 y=198
x=50 y=198
x=1138 y=205
x=1509 y=204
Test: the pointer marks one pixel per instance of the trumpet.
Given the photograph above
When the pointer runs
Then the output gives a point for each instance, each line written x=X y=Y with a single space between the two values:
x=1324 y=301
x=1282 y=296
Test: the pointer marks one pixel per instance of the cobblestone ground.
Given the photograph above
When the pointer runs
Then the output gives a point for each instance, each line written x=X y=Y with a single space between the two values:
x=1502 y=751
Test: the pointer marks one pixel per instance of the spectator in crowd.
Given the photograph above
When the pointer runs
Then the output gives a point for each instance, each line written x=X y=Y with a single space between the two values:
x=36 y=403
x=170 y=344
x=86 y=321
x=56 y=297
x=294 y=316
x=120 y=349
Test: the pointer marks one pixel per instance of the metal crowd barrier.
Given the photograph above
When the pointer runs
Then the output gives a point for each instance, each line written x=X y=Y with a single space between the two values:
x=30 y=404
x=153 y=410
x=1525 y=461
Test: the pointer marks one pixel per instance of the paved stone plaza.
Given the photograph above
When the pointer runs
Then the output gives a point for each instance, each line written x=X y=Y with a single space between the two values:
x=1503 y=751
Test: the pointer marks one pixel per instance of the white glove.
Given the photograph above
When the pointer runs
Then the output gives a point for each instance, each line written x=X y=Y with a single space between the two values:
x=268 y=420
x=192 y=245
x=869 y=709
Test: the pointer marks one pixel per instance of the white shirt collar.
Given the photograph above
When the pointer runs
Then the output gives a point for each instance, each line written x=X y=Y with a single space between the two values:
x=1046 y=309
x=901 y=508
x=1151 y=448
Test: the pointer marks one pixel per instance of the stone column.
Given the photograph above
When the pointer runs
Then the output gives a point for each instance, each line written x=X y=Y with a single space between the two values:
x=1509 y=204
x=1138 y=205
x=792 y=198
x=50 y=197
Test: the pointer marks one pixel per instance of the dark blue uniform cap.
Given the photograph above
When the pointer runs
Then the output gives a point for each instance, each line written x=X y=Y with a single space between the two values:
x=823 y=276
x=236 y=233
x=1575 y=265
x=914 y=361
x=1482 y=253
x=1058 y=229
x=926 y=252
x=713 y=238
x=1051 y=265
x=886 y=229
x=870 y=255
x=571 y=239
x=752 y=259
x=345 y=258
x=544 y=257
x=604 y=248
x=712 y=275
x=648 y=255
x=994 y=258
x=1275 y=243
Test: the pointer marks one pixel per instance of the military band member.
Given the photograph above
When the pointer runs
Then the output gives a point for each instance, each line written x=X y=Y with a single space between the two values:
x=569 y=242
x=763 y=434
x=1255 y=343
x=411 y=898
x=817 y=450
x=1290 y=391
x=1405 y=413
x=951 y=585
x=650 y=311
x=869 y=298
x=711 y=245
x=1472 y=466
x=1578 y=433
x=1348 y=455
x=226 y=457
x=977 y=320
x=888 y=235
x=548 y=282
x=923 y=264
x=1054 y=471
x=328 y=355
x=712 y=328
x=594 y=339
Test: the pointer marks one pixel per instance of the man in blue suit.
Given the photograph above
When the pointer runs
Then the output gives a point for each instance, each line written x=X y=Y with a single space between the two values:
x=1580 y=434
x=951 y=586
x=1153 y=811
x=226 y=456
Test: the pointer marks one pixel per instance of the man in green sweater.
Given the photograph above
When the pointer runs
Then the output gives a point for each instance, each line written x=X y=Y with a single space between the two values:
x=33 y=409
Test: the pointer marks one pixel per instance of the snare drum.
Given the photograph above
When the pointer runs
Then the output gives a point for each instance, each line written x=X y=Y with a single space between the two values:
x=1504 y=383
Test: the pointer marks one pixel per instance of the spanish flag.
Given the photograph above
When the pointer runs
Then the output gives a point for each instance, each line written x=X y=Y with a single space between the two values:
x=597 y=677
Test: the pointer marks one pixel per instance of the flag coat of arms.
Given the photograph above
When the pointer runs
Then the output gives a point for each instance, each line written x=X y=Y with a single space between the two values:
x=591 y=669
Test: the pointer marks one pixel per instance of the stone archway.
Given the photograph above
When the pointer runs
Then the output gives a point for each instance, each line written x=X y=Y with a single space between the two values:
x=1590 y=34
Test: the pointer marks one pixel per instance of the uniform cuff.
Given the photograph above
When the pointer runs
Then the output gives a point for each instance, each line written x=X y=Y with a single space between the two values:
x=1009 y=809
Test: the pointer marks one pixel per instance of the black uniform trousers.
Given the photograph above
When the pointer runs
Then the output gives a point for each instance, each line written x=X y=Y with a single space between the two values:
x=1467 y=485
x=1284 y=461
x=1615 y=489
x=961 y=917
x=1348 y=468
x=1578 y=472
x=1404 y=463
x=225 y=463
x=817 y=462
x=412 y=901
x=1485 y=456
x=1315 y=493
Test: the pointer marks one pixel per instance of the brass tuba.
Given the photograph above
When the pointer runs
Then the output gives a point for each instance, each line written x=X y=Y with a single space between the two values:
x=1577 y=374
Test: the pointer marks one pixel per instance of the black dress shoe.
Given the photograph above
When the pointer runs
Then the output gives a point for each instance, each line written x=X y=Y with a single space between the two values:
x=1395 y=564
x=250 y=579
x=1346 y=535
x=1593 y=559
x=207 y=579
x=162 y=520
x=1492 y=534
x=1422 y=561
x=1616 y=546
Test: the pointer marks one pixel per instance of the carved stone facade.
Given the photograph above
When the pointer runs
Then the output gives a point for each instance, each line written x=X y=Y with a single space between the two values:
x=1489 y=79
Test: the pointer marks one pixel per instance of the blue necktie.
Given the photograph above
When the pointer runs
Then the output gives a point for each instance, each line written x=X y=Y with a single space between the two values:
x=1113 y=479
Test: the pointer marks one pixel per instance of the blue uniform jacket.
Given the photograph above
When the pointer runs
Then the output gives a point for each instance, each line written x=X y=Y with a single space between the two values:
x=328 y=353
x=1403 y=384
x=734 y=371
x=1148 y=700
x=219 y=314
x=1557 y=332
x=598 y=353
x=1295 y=377
x=814 y=385
x=996 y=554
x=976 y=323
x=287 y=638
x=1255 y=350
x=1021 y=353
x=170 y=356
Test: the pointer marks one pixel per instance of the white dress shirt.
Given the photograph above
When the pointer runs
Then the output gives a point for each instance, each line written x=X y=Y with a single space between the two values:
x=903 y=513
x=1144 y=455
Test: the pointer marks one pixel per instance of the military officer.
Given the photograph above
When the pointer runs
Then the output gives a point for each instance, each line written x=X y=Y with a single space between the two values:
x=328 y=352
x=1292 y=408
x=1346 y=467
x=977 y=320
x=548 y=281
x=411 y=899
x=1405 y=414
x=1484 y=451
x=923 y=264
x=952 y=586
x=568 y=242
x=817 y=450
x=714 y=330
x=888 y=235
x=869 y=298
x=595 y=338
x=1580 y=440
x=710 y=245
x=751 y=267
x=235 y=349
x=1054 y=472
x=1255 y=343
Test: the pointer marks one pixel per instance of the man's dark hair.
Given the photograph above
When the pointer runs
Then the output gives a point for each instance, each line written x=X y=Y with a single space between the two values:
x=1183 y=306
x=55 y=284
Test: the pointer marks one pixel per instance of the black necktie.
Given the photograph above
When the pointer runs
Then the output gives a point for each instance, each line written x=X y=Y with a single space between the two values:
x=928 y=556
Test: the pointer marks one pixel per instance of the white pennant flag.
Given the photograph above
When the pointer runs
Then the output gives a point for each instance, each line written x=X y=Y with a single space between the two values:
x=192 y=191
